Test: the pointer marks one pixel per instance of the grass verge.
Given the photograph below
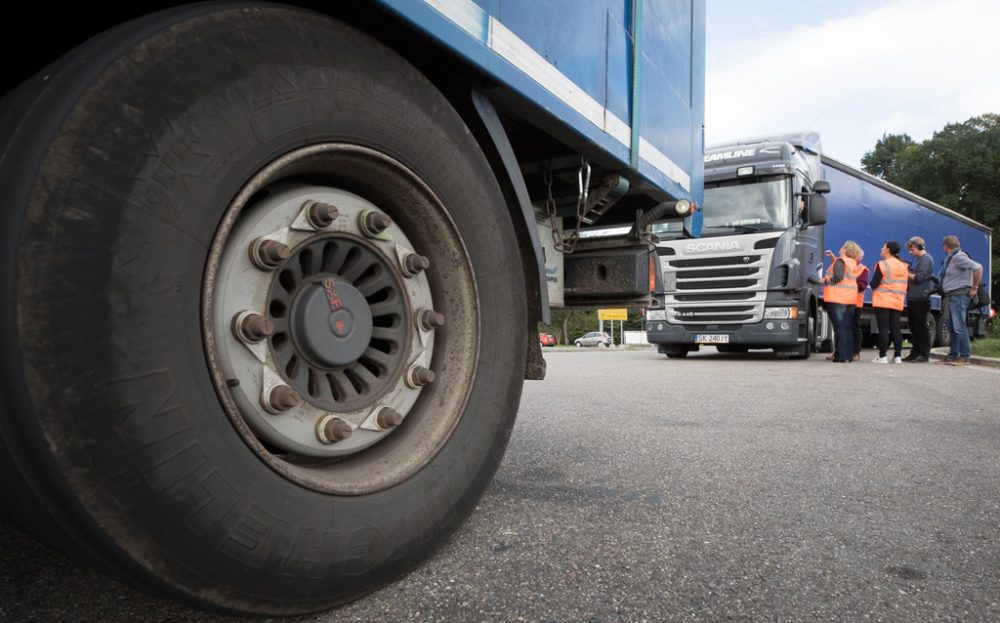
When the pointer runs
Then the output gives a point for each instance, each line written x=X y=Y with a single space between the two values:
x=986 y=347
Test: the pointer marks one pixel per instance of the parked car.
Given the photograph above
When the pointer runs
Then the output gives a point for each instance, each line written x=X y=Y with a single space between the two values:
x=594 y=338
x=547 y=339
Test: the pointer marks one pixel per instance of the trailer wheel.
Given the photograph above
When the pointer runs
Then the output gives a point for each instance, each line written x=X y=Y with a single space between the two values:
x=868 y=339
x=938 y=327
x=258 y=293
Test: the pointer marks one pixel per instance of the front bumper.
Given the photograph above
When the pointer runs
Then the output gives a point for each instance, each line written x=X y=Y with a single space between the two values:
x=763 y=334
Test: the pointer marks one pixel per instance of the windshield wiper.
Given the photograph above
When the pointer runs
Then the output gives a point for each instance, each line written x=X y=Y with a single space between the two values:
x=749 y=229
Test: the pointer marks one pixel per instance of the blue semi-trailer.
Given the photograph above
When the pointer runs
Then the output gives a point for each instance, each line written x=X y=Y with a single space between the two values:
x=271 y=274
x=753 y=279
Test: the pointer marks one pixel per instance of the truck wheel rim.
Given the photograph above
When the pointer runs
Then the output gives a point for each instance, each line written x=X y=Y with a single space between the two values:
x=324 y=333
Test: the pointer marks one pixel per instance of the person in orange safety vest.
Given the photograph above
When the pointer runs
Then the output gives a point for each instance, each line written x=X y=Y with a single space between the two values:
x=888 y=285
x=840 y=295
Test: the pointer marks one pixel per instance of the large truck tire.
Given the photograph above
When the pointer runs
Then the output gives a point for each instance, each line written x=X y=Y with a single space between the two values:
x=674 y=351
x=825 y=334
x=938 y=325
x=802 y=351
x=258 y=287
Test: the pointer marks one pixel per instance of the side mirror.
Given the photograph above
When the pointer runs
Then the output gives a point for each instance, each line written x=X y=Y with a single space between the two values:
x=693 y=222
x=817 y=207
x=821 y=187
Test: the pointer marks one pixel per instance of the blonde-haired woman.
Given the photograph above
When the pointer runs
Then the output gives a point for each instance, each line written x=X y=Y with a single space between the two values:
x=840 y=295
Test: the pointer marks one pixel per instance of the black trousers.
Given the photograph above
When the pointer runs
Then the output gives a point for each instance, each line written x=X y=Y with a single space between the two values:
x=888 y=324
x=856 y=327
x=916 y=316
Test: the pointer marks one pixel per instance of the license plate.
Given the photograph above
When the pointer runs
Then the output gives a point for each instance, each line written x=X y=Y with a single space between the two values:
x=711 y=338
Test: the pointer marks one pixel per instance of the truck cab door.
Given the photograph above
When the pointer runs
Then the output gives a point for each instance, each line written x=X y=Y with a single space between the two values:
x=808 y=237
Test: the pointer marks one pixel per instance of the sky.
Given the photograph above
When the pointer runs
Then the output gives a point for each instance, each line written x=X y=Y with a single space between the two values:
x=851 y=70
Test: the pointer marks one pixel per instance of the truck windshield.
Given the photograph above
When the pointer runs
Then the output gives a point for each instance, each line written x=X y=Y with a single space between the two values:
x=743 y=206
x=669 y=230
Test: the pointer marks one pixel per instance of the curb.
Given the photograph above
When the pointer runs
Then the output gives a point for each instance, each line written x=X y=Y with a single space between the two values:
x=992 y=362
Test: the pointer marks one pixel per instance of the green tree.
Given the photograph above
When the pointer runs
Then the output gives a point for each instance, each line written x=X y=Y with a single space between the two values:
x=885 y=161
x=959 y=167
x=634 y=322
x=568 y=324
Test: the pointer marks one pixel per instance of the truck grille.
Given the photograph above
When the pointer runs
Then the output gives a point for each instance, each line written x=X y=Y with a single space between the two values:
x=716 y=261
x=728 y=289
x=731 y=313
x=715 y=285
x=711 y=298
x=711 y=273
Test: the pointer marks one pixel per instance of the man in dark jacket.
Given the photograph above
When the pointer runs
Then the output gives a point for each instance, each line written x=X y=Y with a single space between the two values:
x=918 y=300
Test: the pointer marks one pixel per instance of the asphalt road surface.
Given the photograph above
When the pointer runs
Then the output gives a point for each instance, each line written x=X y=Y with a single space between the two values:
x=714 y=488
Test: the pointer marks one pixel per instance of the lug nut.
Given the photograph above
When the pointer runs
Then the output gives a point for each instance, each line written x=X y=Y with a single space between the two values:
x=420 y=376
x=321 y=214
x=252 y=327
x=266 y=254
x=281 y=398
x=428 y=319
x=373 y=223
x=413 y=264
x=332 y=430
x=389 y=418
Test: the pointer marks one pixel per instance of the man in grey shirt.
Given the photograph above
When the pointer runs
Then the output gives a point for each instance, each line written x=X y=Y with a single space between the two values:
x=959 y=281
x=918 y=300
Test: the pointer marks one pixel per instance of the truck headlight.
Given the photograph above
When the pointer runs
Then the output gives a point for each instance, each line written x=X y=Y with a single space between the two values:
x=781 y=312
x=656 y=314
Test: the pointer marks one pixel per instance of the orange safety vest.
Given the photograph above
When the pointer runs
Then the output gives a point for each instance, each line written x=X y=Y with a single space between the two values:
x=846 y=290
x=891 y=291
x=861 y=294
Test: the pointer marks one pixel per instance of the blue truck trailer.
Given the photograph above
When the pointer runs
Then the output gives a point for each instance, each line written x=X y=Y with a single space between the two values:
x=272 y=273
x=753 y=279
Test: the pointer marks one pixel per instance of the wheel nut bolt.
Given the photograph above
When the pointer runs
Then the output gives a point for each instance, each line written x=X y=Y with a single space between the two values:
x=266 y=254
x=321 y=214
x=413 y=264
x=428 y=319
x=374 y=223
x=389 y=418
x=253 y=327
x=282 y=398
x=334 y=430
x=420 y=376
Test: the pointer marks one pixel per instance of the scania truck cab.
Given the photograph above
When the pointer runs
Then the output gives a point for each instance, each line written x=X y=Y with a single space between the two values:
x=752 y=279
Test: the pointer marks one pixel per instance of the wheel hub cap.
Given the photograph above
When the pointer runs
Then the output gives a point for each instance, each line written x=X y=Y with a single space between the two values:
x=331 y=323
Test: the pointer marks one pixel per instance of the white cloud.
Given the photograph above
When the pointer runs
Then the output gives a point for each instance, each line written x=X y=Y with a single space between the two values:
x=908 y=66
